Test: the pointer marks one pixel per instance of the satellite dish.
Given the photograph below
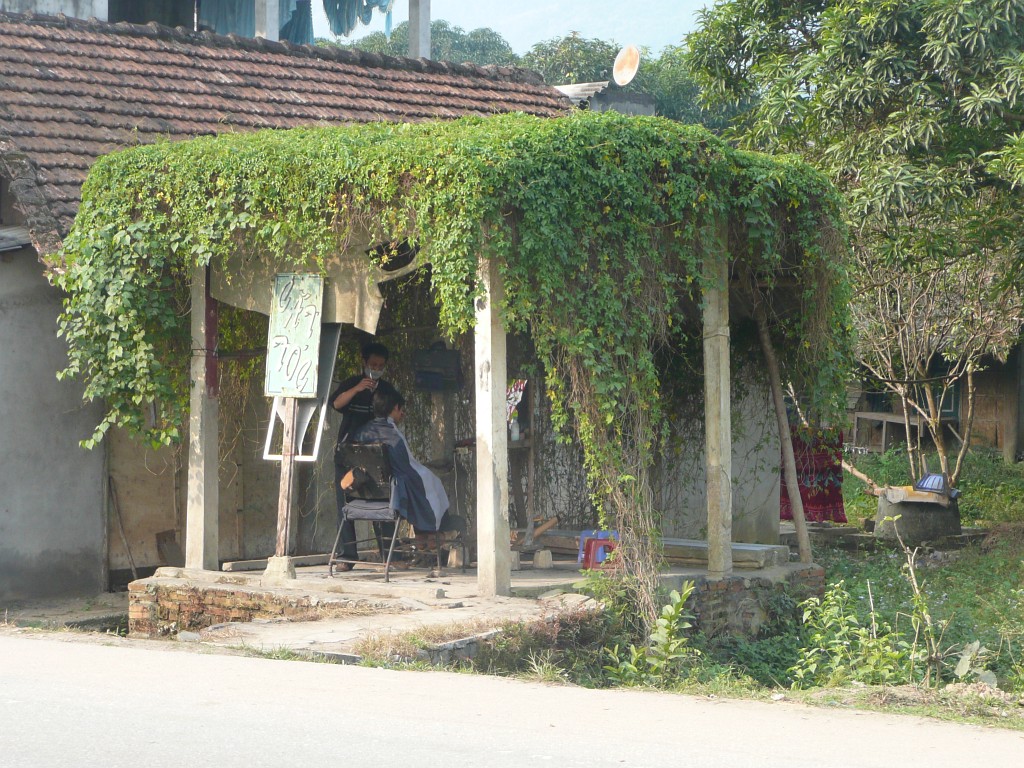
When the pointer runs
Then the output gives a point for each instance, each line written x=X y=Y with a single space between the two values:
x=626 y=65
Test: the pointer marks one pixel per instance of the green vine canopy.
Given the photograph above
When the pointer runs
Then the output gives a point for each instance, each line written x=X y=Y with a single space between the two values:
x=601 y=224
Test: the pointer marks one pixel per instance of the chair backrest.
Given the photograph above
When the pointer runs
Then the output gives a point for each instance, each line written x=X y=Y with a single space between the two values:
x=372 y=470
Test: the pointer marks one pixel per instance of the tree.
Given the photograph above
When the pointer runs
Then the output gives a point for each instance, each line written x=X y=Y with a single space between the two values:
x=676 y=93
x=572 y=59
x=448 y=43
x=910 y=106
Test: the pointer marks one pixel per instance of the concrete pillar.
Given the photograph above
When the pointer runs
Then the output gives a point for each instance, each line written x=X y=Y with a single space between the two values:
x=717 y=415
x=493 y=551
x=202 y=541
x=100 y=10
x=419 y=29
x=268 y=19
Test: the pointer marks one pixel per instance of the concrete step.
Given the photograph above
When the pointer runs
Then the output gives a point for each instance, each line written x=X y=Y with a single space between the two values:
x=695 y=552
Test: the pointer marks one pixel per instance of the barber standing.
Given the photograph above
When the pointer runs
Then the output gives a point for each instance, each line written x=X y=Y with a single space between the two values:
x=353 y=398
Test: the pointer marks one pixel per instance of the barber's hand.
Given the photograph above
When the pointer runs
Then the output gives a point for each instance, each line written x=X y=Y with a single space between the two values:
x=364 y=385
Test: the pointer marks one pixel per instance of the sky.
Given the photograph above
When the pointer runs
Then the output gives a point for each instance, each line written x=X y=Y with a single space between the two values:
x=651 y=23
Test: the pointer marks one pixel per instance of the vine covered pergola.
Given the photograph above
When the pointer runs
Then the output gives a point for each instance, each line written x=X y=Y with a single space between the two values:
x=614 y=241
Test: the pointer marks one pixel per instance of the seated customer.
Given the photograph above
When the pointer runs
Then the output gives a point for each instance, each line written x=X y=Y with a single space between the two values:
x=418 y=495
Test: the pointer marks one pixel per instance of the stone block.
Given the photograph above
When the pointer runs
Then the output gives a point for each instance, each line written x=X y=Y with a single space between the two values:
x=279 y=569
x=542 y=559
x=455 y=558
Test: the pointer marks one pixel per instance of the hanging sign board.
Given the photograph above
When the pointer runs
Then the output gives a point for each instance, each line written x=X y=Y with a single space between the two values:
x=293 y=344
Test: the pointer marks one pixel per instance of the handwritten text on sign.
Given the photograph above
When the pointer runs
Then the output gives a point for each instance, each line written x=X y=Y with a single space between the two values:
x=293 y=346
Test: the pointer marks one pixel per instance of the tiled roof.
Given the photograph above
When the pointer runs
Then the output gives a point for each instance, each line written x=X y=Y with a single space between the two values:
x=73 y=90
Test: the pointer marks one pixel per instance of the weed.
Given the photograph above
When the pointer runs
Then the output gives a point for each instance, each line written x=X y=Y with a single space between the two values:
x=283 y=654
x=544 y=668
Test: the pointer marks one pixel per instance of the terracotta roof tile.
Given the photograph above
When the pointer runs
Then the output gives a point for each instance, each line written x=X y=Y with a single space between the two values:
x=72 y=90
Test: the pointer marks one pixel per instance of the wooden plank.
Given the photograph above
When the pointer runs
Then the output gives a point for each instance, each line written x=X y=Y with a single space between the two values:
x=286 y=490
x=261 y=563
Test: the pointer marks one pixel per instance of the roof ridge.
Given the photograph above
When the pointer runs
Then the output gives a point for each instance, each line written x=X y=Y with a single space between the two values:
x=337 y=54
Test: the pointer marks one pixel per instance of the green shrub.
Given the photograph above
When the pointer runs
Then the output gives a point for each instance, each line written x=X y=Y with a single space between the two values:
x=840 y=650
x=668 y=652
x=764 y=660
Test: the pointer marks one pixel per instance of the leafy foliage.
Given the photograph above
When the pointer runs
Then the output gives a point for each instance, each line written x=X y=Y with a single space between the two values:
x=913 y=109
x=667 y=652
x=841 y=650
x=676 y=93
x=600 y=223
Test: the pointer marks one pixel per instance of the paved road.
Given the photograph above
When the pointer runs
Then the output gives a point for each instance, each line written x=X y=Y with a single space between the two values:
x=65 y=702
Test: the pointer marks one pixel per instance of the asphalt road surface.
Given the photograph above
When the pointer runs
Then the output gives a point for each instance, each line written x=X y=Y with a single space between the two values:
x=69 y=702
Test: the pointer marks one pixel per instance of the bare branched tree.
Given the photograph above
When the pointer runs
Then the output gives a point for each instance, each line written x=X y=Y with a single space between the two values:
x=926 y=329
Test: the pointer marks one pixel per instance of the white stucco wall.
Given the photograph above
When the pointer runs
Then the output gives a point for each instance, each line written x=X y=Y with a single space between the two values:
x=52 y=533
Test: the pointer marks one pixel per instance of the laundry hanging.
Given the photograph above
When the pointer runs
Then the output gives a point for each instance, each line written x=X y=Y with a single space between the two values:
x=343 y=15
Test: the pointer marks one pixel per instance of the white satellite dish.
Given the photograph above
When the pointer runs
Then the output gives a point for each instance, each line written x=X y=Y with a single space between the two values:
x=626 y=65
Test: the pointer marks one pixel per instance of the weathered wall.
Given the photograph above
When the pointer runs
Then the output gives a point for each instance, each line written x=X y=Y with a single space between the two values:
x=51 y=490
x=996 y=406
x=626 y=102
x=145 y=485
x=755 y=472
x=151 y=488
x=81 y=9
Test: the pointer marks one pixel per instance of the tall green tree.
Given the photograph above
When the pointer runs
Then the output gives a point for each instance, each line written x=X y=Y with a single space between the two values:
x=676 y=93
x=572 y=59
x=914 y=108
x=448 y=43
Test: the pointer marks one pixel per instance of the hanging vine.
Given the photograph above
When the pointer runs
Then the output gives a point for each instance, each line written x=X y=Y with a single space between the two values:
x=600 y=223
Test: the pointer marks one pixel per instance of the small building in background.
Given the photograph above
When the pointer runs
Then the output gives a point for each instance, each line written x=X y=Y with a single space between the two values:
x=605 y=96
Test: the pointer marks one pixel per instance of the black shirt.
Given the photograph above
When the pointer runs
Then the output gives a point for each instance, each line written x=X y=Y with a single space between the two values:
x=359 y=410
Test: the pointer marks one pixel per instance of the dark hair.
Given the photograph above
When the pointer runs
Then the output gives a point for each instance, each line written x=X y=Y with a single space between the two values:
x=385 y=400
x=375 y=348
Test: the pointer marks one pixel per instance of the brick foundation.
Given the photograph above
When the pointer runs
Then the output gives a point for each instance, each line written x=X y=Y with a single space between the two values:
x=159 y=607
x=736 y=605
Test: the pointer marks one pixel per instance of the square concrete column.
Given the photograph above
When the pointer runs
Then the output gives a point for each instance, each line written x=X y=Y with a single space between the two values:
x=202 y=540
x=268 y=19
x=494 y=557
x=717 y=412
x=419 y=29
